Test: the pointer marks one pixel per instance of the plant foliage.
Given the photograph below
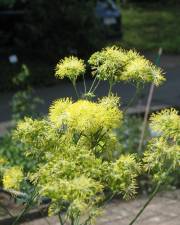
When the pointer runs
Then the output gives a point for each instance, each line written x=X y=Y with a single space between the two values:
x=75 y=147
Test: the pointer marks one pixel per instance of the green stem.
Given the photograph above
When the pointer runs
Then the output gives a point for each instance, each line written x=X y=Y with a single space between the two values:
x=28 y=205
x=6 y=209
x=147 y=109
x=96 y=86
x=17 y=220
x=77 y=221
x=87 y=220
x=84 y=82
x=146 y=203
x=60 y=219
x=151 y=196
x=148 y=105
x=72 y=220
x=75 y=88
x=133 y=99
x=110 y=87
x=92 y=85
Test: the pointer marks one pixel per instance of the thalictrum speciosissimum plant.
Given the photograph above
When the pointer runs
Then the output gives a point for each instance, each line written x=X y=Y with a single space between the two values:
x=163 y=152
x=75 y=146
x=115 y=65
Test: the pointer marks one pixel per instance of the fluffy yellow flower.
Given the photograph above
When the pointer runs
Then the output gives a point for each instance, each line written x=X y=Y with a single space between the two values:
x=57 y=112
x=86 y=116
x=125 y=171
x=167 y=123
x=161 y=155
x=110 y=101
x=70 y=67
x=141 y=70
x=12 y=178
x=108 y=64
x=94 y=116
x=116 y=64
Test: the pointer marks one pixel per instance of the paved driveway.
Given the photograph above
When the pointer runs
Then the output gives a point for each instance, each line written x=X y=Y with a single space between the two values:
x=163 y=210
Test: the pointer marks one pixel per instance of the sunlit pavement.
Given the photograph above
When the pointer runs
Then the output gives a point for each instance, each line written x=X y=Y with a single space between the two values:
x=163 y=210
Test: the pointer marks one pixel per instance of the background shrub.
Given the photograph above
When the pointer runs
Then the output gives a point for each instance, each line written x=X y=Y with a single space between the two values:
x=60 y=27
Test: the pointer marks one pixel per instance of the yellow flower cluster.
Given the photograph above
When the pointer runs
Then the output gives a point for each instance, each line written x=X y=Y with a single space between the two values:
x=70 y=67
x=57 y=111
x=36 y=134
x=125 y=171
x=78 y=150
x=86 y=116
x=161 y=155
x=166 y=123
x=108 y=64
x=75 y=176
x=115 y=64
x=12 y=178
x=142 y=70
x=163 y=152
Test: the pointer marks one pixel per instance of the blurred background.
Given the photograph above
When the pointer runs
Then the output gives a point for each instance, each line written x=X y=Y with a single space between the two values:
x=39 y=33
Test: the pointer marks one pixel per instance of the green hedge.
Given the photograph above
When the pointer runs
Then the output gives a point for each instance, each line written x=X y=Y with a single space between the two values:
x=59 y=27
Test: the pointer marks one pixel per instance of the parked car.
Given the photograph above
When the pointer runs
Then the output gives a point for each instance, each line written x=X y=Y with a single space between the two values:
x=110 y=17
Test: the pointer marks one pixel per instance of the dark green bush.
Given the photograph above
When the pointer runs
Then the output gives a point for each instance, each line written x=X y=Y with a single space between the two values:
x=59 y=27
x=7 y=3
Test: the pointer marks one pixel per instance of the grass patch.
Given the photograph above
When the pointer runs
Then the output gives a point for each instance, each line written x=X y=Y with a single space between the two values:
x=148 y=28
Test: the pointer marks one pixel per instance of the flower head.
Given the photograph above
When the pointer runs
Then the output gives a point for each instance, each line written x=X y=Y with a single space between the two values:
x=167 y=123
x=12 y=178
x=86 y=116
x=70 y=67
x=108 y=64
x=125 y=171
x=163 y=152
x=116 y=64
x=141 y=70
x=57 y=111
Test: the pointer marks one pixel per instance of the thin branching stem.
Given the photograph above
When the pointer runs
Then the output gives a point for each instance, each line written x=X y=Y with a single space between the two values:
x=111 y=83
x=87 y=220
x=134 y=98
x=97 y=85
x=17 y=220
x=148 y=105
x=72 y=221
x=84 y=82
x=6 y=209
x=77 y=221
x=75 y=88
x=151 y=196
x=151 y=91
x=146 y=203
x=60 y=219
x=27 y=207
x=92 y=85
